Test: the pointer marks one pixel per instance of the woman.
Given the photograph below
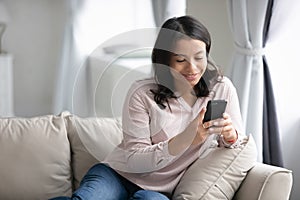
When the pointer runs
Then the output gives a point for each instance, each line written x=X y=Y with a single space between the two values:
x=162 y=119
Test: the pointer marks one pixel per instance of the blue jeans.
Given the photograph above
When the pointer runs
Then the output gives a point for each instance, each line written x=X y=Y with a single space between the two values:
x=103 y=183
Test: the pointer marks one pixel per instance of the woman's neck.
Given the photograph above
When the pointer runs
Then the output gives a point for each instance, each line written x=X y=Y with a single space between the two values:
x=189 y=97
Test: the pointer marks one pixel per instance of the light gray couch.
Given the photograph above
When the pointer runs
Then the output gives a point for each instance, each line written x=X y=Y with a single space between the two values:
x=46 y=156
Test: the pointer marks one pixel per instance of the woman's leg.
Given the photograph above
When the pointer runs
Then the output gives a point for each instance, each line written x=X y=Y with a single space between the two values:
x=61 y=198
x=148 y=195
x=101 y=182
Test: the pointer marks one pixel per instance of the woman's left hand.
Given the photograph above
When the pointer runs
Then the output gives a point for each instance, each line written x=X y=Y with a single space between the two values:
x=223 y=127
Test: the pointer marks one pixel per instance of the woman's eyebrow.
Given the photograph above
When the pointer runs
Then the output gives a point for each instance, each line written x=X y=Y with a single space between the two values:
x=179 y=54
x=199 y=52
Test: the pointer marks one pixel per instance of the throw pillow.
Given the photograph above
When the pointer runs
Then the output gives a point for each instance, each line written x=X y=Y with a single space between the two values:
x=91 y=140
x=34 y=158
x=219 y=174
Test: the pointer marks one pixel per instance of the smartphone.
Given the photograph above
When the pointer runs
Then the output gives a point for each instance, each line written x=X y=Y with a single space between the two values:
x=214 y=110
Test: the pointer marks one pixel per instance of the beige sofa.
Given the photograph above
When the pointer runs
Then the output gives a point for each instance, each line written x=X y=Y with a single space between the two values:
x=46 y=156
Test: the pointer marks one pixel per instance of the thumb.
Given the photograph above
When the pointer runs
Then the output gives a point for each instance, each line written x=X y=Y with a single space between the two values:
x=201 y=114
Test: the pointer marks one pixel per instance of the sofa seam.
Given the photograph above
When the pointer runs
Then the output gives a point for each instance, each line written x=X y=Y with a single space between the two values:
x=268 y=178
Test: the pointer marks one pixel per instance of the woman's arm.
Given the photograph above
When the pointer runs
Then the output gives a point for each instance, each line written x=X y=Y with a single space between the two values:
x=140 y=154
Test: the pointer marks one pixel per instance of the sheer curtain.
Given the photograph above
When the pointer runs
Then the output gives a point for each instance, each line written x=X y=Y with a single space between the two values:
x=69 y=61
x=250 y=72
x=247 y=23
x=162 y=10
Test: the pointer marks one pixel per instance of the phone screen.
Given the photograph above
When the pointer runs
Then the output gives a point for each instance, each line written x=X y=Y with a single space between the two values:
x=214 y=110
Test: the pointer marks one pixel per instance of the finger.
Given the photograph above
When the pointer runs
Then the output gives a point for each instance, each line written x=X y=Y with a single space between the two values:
x=222 y=122
x=228 y=135
x=201 y=114
x=227 y=129
x=215 y=130
x=215 y=122
x=226 y=116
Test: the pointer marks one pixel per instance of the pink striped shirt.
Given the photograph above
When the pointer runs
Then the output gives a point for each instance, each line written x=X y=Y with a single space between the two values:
x=143 y=155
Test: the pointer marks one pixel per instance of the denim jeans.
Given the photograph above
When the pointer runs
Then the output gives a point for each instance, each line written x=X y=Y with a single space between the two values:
x=102 y=183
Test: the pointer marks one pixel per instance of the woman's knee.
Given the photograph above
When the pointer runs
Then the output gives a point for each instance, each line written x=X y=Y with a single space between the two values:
x=148 y=195
x=98 y=170
x=101 y=182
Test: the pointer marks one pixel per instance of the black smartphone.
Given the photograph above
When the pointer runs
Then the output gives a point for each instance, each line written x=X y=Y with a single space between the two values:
x=214 y=109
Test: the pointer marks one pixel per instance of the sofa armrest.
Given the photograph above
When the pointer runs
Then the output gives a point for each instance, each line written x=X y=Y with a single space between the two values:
x=264 y=182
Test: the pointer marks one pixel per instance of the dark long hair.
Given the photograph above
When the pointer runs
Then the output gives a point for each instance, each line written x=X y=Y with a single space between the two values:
x=171 y=31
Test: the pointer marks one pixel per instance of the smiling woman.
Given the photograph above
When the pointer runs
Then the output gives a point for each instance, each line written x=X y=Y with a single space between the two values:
x=163 y=130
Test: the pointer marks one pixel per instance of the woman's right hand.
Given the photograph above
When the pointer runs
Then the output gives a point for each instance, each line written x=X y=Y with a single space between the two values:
x=202 y=132
x=194 y=134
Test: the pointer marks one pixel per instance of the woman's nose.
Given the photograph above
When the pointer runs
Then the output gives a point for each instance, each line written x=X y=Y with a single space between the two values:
x=191 y=65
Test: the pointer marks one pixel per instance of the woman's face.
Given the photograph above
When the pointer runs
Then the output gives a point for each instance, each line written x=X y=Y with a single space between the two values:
x=189 y=60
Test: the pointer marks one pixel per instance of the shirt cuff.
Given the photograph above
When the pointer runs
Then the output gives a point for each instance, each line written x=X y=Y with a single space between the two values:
x=236 y=144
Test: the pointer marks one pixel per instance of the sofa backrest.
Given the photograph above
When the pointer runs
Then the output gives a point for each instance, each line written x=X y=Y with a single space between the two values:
x=47 y=156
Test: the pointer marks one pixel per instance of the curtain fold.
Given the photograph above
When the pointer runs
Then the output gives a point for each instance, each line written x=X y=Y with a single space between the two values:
x=69 y=62
x=250 y=21
x=165 y=9
x=272 y=153
x=247 y=23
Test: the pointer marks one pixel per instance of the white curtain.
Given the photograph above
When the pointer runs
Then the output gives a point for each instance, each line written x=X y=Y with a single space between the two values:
x=165 y=9
x=247 y=19
x=69 y=62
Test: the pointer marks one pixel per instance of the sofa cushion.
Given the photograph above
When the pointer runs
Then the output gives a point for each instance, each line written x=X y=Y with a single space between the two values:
x=34 y=158
x=91 y=140
x=219 y=174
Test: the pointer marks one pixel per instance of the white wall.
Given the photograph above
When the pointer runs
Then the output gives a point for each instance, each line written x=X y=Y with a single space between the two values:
x=34 y=37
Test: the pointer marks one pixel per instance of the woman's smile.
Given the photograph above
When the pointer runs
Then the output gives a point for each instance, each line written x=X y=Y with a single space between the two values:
x=191 y=77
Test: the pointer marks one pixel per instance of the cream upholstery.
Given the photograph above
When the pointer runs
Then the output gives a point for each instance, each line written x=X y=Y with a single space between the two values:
x=266 y=182
x=219 y=174
x=34 y=158
x=43 y=157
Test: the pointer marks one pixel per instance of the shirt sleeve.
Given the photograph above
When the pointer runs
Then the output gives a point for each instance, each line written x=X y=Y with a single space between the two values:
x=233 y=109
x=140 y=154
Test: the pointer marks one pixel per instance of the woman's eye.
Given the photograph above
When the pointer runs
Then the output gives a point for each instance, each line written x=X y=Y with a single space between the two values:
x=199 y=58
x=180 y=60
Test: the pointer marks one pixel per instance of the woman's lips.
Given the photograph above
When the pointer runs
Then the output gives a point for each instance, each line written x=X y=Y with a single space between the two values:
x=190 y=77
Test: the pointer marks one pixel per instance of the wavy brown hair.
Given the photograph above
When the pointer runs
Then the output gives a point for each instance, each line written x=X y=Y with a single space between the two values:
x=171 y=31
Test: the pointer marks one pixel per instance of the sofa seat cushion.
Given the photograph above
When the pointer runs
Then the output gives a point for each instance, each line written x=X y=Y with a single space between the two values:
x=34 y=158
x=219 y=174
